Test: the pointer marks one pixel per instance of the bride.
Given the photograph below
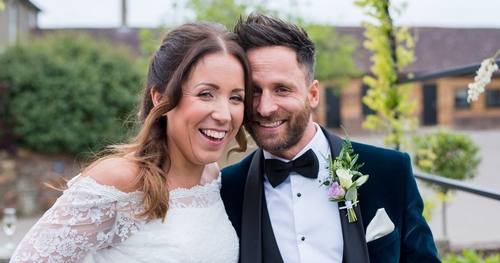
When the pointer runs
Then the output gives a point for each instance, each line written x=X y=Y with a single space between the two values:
x=157 y=198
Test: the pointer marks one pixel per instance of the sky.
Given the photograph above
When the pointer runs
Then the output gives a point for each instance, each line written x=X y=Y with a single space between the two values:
x=154 y=13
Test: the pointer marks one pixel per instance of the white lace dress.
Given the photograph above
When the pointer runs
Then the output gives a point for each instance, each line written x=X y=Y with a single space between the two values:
x=95 y=223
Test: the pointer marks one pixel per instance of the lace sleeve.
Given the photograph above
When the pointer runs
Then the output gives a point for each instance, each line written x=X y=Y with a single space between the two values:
x=87 y=217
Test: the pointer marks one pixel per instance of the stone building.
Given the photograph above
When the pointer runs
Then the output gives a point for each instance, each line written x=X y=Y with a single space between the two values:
x=16 y=21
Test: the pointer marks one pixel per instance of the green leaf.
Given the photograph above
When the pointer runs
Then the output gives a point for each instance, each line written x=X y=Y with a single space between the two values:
x=351 y=194
x=361 y=180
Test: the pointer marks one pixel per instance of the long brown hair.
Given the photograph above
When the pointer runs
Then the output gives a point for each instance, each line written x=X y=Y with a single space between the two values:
x=169 y=68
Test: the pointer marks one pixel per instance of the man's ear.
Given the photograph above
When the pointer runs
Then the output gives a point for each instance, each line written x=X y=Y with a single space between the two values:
x=156 y=97
x=313 y=94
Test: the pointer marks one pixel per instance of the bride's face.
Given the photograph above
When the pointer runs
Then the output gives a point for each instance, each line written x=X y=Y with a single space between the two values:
x=210 y=111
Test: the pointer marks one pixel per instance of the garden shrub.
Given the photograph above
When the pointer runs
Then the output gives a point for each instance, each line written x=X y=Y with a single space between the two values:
x=471 y=256
x=67 y=93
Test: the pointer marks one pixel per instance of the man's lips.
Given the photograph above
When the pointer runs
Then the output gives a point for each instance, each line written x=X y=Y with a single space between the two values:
x=271 y=124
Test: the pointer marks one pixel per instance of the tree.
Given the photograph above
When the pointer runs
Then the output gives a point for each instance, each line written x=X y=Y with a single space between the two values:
x=450 y=155
x=334 y=52
x=392 y=50
x=67 y=93
x=223 y=11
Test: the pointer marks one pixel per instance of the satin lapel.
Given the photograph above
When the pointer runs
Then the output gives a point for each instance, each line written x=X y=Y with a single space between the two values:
x=251 y=228
x=355 y=249
x=270 y=251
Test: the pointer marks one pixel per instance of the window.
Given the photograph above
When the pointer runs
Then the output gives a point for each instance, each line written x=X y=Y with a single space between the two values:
x=461 y=99
x=493 y=98
x=366 y=110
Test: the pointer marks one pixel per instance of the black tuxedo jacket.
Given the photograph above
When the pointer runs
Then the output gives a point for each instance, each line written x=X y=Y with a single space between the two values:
x=391 y=185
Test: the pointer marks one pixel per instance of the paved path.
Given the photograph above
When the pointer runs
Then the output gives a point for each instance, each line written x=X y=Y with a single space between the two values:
x=472 y=220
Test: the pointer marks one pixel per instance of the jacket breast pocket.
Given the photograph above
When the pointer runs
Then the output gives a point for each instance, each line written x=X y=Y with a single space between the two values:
x=385 y=249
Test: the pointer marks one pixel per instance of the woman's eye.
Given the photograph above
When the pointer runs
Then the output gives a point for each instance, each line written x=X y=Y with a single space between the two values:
x=237 y=98
x=205 y=94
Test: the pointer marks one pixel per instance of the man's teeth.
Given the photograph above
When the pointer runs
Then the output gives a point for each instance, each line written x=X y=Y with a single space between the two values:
x=214 y=134
x=271 y=124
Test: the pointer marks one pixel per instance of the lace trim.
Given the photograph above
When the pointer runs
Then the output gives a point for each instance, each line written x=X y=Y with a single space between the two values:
x=92 y=185
x=198 y=196
x=87 y=217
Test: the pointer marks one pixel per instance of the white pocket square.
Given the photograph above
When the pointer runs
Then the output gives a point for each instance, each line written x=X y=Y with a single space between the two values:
x=380 y=226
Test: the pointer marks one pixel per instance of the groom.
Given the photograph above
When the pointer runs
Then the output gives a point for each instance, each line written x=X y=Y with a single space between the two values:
x=289 y=218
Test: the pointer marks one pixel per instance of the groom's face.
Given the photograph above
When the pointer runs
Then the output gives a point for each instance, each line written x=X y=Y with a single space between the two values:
x=282 y=102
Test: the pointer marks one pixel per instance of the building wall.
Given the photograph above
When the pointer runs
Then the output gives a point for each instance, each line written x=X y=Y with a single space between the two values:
x=4 y=25
x=477 y=116
x=25 y=21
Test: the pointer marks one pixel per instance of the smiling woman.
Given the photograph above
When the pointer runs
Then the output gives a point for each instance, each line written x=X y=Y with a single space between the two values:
x=209 y=114
x=158 y=197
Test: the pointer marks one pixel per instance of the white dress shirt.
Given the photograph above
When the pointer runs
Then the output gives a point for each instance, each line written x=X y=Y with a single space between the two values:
x=305 y=223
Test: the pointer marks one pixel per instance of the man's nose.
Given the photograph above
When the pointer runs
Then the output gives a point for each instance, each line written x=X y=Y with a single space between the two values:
x=265 y=104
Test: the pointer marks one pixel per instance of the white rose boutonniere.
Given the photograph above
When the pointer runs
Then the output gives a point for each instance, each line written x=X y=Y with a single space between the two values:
x=344 y=179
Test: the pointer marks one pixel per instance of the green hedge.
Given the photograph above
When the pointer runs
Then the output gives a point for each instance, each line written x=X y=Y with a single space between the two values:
x=67 y=93
x=448 y=154
x=471 y=256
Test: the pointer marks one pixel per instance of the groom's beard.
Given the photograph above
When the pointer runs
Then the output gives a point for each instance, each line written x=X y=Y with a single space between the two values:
x=288 y=136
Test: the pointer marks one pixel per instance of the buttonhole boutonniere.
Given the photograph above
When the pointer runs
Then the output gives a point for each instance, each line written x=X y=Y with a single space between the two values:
x=344 y=178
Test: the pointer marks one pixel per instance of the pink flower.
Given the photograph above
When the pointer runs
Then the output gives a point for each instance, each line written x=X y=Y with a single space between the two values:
x=336 y=191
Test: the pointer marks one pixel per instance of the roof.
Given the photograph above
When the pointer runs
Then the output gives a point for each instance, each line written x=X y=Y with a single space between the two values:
x=438 y=49
x=123 y=35
x=31 y=5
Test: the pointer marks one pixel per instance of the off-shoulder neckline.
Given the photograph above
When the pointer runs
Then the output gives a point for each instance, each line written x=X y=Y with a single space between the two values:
x=79 y=177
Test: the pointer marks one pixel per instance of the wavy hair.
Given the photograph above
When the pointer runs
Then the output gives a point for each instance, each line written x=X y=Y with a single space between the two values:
x=169 y=68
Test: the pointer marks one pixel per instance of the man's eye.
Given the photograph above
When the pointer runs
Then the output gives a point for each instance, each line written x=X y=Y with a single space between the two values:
x=257 y=91
x=281 y=89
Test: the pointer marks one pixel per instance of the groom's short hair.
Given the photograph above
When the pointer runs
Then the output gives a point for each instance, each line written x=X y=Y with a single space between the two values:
x=260 y=30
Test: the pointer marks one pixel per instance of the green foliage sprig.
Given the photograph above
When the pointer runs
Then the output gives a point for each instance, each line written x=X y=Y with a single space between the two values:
x=392 y=50
x=344 y=178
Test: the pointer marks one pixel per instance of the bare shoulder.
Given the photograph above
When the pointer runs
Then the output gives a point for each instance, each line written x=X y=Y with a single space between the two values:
x=210 y=172
x=118 y=172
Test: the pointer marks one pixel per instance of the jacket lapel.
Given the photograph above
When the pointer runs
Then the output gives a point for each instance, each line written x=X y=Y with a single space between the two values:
x=270 y=251
x=254 y=218
x=355 y=248
x=251 y=228
x=258 y=243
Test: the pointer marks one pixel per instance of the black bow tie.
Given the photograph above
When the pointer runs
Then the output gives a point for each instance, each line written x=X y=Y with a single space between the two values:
x=306 y=165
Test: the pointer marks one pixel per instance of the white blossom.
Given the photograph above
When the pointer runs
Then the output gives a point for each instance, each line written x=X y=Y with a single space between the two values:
x=345 y=178
x=483 y=77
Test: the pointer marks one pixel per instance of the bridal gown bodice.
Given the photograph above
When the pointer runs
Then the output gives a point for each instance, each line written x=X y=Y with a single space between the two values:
x=96 y=223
